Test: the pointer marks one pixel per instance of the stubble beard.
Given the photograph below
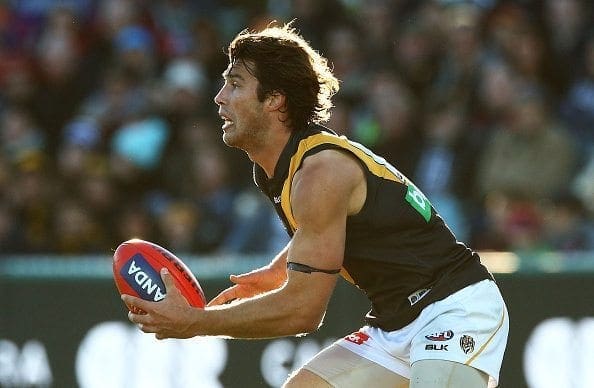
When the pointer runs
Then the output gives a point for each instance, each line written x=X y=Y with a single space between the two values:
x=247 y=138
x=247 y=134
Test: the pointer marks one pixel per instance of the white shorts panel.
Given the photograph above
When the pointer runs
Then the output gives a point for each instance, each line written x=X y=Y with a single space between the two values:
x=373 y=351
x=342 y=368
x=469 y=327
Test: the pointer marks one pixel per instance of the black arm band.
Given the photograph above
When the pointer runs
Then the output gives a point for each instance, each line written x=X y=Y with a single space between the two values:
x=307 y=269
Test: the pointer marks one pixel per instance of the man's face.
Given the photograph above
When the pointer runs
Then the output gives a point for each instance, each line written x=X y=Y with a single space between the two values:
x=240 y=108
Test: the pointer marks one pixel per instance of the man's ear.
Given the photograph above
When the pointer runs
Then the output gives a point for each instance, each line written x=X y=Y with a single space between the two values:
x=275 y=101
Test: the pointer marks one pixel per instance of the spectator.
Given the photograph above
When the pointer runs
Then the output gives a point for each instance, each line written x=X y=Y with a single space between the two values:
x=63 y=82
x=178 y=226
x=462 y=59
x=10 y=231
x=206 y=50
x=136 y=52
x=518 y=157
x=18 y=86
x=75 y=230
x=174 y=20
x=177 y=174
x=115 y=101
x=215 y=197
x=583 y=185
x=567 y=23
x=444 y=171
x=98 y=192
x=416 y=50
x=376 y=21
x=137 y=148
x=509 y=222
x=249 y=209
x=20 y=139
x=387 y=121
x=497 y=87
x=523 y=227
x=79 y=145
x=529 y=56
x=577 y=108
x=184 y=92
x=566 y=225
x=31 y=199
x=314 y=18
x=134 y=221
x=344 y=52
x=341 y=118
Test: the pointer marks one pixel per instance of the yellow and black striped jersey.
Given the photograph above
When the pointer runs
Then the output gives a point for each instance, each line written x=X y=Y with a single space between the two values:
x=398 y=249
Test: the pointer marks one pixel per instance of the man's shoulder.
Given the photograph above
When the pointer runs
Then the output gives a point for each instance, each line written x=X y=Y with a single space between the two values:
x=329 y=169
x=330 y=159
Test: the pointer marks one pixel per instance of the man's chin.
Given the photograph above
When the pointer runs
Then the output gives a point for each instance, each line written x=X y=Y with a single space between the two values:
x=229 y=140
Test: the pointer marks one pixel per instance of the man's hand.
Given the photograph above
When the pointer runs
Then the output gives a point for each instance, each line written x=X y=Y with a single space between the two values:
x=251 y=284
x=172 y=317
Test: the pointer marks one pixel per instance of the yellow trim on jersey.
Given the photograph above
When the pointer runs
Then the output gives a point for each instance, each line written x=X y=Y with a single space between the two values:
x=346 y=275
x=376 y=165
x=482 y=348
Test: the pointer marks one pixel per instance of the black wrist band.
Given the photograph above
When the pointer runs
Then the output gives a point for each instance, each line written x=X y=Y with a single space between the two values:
x=307 y=269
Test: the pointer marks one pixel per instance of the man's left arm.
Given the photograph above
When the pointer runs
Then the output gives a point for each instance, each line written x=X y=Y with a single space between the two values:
x=321 y=199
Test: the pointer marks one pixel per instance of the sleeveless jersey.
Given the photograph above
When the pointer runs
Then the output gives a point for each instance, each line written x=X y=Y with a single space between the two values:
x=398 y=249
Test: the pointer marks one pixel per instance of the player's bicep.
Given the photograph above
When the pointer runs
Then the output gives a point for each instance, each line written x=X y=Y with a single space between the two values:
x=320 y=198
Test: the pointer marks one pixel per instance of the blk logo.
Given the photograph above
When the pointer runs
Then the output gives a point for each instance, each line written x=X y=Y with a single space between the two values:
x=436 y=347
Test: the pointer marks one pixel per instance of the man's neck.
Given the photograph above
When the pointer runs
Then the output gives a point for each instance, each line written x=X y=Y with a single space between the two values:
x=267 y=156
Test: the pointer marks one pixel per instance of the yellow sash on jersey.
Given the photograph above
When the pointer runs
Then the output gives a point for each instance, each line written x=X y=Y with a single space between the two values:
x=376 y=165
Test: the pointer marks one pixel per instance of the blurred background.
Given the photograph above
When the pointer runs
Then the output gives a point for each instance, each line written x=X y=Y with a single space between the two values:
x=108 y=129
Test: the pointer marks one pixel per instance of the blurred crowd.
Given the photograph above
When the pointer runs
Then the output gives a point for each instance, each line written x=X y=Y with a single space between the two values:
x=108 y=130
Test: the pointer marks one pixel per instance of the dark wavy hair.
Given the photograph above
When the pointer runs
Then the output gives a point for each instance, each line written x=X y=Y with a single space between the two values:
x=283 y=62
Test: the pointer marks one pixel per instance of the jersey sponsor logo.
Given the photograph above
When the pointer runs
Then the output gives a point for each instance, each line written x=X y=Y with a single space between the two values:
x=357 y=337
x=143 y=278
x=418 y=295
x=467 y=344
x=442 y=347
x=277 y=199
x=418 y=201
x=441 y=336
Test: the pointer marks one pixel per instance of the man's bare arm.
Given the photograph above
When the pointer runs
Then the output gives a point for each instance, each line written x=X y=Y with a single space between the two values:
x=321 y=198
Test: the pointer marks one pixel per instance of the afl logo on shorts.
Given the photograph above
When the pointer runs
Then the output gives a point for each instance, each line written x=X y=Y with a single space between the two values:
x=467 y=344
x=357 y=337
x=441 y=336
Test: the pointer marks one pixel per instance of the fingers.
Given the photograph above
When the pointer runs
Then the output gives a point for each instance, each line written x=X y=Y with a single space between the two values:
x=224 y=297
x=138 y=303
x=167 y=280
x=144 y=313
x=249 y=277
x=148 y=328
x=238 y=279
x=144 y=322
x=139 y=319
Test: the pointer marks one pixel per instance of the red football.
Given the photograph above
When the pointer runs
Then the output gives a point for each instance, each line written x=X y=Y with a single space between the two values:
x=136 y=271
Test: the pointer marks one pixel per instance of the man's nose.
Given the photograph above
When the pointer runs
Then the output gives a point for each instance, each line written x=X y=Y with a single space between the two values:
x=218 y=99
